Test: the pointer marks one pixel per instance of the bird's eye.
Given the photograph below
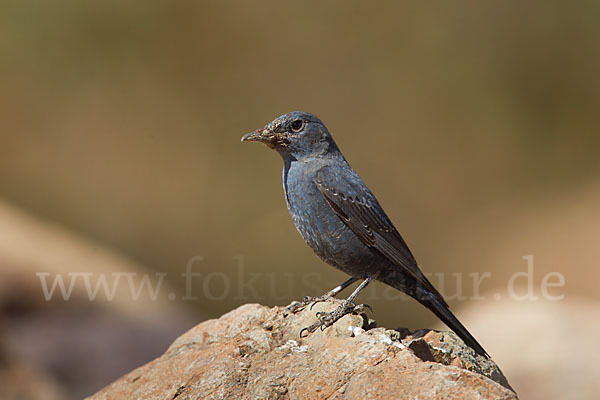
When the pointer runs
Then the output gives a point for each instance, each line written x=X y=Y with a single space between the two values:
x=297 y=125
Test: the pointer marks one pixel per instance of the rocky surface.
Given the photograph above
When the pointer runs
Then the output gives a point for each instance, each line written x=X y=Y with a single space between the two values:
x=255 y=352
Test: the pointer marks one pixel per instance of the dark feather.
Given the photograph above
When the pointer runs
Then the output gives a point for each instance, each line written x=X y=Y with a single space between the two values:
x=360 y=211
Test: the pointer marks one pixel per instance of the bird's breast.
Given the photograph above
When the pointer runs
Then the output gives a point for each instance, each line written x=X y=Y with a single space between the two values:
x=319 y=226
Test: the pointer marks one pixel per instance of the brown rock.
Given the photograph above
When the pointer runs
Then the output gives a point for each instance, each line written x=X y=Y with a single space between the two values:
x=254 y=352
x=77 y=345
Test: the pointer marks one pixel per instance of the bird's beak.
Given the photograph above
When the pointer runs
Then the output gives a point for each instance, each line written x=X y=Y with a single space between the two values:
x=259 y=135
x=266 y=136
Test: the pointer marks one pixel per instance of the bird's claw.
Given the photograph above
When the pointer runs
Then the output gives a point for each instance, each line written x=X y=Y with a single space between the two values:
x=296 y=306
x=305 y=329
x=326 y=319
x=361 y=307
x=317 y=300
x=293 y=308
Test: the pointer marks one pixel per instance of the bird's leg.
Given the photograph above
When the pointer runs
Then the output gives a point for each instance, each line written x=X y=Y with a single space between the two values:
x=347 y=307
x=299 y=305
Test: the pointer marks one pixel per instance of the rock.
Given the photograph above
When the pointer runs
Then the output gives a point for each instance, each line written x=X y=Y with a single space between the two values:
x=75 y=345
x=254 y=352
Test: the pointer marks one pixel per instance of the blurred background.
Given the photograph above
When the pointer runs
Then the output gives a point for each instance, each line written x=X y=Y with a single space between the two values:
x=475 y=124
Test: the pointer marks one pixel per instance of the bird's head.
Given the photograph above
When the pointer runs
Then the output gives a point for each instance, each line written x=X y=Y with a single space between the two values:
x=295 y=135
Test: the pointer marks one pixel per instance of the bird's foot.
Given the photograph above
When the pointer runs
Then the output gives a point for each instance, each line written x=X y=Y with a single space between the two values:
x=326 y=319
x=296 y=306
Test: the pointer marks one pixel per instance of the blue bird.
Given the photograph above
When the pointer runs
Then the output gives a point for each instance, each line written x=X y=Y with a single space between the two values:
x=340 y=219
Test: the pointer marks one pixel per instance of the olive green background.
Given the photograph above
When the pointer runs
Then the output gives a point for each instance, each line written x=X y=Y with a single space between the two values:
x=474 y=123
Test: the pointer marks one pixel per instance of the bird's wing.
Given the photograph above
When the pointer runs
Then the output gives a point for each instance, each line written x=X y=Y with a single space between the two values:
x=356 y=206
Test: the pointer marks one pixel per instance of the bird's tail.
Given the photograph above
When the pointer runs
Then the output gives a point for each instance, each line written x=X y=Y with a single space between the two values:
x=438 y=306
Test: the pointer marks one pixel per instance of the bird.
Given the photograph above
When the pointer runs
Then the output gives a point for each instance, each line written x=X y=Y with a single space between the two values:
x=341 y=220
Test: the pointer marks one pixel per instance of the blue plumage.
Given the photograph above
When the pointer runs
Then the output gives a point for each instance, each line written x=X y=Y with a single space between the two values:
x=341 y=220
